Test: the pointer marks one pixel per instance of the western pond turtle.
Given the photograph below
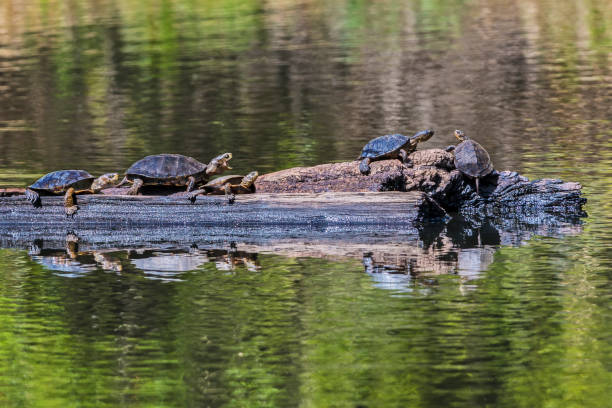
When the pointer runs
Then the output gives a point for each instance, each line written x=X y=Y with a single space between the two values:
x=228 y=185
x=69 y=183
x=173 y=170
x=391 y=147
x=471 y=158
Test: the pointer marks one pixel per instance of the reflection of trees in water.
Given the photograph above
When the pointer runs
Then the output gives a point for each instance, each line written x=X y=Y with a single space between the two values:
x=310 y=322
x=284 y=86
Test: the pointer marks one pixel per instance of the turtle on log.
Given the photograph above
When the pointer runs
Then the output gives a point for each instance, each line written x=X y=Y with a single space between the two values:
x=69 y=183
x=394 y=146
x=172 y=170
x=471 y=159
x=228 y=185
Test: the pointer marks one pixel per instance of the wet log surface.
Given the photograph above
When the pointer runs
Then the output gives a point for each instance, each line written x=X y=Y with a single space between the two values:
x=388 y=232
x=127 y=220
x=502 y=194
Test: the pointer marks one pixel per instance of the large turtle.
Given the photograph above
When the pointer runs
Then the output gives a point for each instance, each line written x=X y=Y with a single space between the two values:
x=173 y=170
x=391 y=147
x=471 y=158
x=69 y=183
x=228 y=185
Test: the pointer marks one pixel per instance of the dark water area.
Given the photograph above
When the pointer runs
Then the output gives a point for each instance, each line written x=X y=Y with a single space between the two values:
x=498 y=314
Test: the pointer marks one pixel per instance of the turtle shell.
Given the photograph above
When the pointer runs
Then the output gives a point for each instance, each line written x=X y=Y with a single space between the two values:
x=166 y=166
x=472 y=159
x=61 y=180
x=383 y=146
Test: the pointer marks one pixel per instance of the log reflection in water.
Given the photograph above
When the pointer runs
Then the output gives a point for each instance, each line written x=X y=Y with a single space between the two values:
x=394 y=262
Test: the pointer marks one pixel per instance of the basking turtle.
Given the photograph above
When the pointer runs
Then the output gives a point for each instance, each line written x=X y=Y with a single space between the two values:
x=471 y=158
x=172 y=170
x=391 y=147
x=70 y=182
x=228 y=185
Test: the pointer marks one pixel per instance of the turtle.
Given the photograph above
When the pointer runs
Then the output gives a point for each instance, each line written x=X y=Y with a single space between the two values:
x=69 y=182
x=471 y=159
x=228 y=185
x=391 y=147
x=172 y=170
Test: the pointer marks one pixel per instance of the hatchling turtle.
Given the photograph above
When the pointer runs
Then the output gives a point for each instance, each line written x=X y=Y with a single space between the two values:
x=173 y=170
x=471 y=158
x=69 y=182
x=391 y=147
x=228 y=185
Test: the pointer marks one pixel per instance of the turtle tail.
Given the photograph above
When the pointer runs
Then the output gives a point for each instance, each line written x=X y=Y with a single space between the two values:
x=477 y=192
x=33 y=197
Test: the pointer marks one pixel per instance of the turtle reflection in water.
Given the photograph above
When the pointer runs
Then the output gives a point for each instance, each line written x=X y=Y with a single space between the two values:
x=69 y=182
x=67 y=261
x=229 y=260
x=228 y=185
x=391 y=147
x=471 y=159
x=173 y=170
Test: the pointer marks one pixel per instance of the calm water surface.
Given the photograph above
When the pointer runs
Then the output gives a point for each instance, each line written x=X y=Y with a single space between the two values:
x=458 y=317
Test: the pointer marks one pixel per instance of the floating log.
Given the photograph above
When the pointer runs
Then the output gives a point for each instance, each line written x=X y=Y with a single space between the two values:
x=129 y=220
x=327 y=201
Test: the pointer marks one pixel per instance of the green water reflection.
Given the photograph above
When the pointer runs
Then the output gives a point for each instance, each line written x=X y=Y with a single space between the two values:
x=533 y=330
x=99 y=84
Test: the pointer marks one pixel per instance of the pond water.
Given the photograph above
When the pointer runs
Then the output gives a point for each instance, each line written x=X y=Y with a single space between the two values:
x=456 y=317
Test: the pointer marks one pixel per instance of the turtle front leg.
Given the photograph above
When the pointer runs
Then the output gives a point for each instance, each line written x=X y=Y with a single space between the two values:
x=403 y=155
x=193 y=194
x=191 y=183
x=70 y=203
x=136 y=184
x=33 y=197
x=231 y=198
x=364 y=166
x=449 y=148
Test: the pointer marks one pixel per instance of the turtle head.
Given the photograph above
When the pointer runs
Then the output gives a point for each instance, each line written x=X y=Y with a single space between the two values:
x=249 y=179
x=460 y=134
x=219 y=164
x=425 y=135
x=105 y=181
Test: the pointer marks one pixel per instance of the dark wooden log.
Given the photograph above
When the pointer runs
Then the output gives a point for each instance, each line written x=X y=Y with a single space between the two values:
x=382 y=230
x=504 y=194
x=328 y=201
x=127 y=220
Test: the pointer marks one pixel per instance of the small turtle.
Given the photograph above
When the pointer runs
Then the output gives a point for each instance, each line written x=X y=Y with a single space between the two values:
x=70 y=182
x=471 y=158
x=228 y=185
x=391 y=147
x=172 y=170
